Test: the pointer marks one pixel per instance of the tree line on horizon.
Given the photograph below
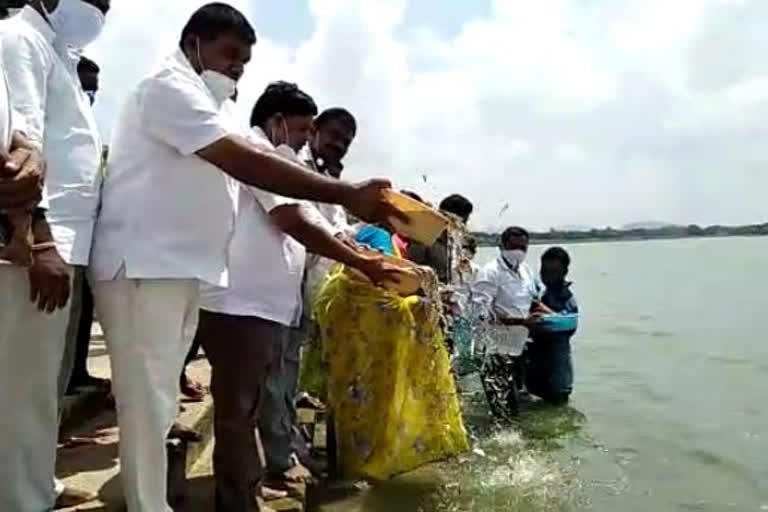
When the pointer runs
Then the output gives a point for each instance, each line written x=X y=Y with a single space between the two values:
x=609 y=233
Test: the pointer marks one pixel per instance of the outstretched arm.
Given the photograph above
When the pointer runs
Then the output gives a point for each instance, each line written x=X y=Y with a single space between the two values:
x=302 y=222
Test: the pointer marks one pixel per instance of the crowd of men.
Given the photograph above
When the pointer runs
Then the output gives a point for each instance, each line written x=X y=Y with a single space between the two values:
x=126 y=238
x=133 y=230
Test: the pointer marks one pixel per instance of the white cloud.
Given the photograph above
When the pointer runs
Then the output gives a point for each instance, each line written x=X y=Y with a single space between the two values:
x=574 y=112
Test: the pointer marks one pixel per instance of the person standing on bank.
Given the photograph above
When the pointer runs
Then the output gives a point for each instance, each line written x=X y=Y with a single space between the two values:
x=174 y=152
x=44 y=90
x=333 y=132
x=82 y=299
x=246 y=329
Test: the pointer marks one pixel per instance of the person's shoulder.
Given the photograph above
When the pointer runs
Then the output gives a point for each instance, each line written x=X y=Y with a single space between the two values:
x=169 y=89
x=257 y=137
x=16 y=34
x=490 y=269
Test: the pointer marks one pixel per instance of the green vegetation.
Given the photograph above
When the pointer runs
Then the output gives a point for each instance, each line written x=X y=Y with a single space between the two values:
x=610 y=234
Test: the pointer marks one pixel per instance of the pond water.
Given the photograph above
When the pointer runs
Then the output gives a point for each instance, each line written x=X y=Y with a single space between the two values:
x=668 y=412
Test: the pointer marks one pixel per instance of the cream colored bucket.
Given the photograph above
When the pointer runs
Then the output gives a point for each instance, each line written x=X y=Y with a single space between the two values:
x=408 y=274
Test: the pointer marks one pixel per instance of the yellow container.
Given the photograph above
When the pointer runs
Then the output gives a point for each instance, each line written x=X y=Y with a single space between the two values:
x=408 y=274
x=426 y=224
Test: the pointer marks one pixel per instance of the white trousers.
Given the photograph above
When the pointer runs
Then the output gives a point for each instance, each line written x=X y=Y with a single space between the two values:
x=148 y=326
x=31 y=349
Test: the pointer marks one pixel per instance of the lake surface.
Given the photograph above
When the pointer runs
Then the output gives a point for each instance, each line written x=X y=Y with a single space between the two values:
x=670 y=409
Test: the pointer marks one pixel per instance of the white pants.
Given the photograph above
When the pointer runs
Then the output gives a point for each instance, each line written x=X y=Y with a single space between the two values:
x=31 y=348
x=148 y=326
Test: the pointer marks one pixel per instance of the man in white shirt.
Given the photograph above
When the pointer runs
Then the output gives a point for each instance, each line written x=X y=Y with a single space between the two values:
x=245 y=329
x=58 y=119
x=505 y=292
x=333 y=132
x=166 y=222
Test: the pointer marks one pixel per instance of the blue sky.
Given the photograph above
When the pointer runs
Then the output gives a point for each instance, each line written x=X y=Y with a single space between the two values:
x=588 y=112
x=448 y=19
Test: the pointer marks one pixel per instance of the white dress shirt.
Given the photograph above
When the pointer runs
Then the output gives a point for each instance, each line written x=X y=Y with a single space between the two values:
x=334 y=213
x=166 y=213
x=266 y=265
x=58 y=117
x=502 y=292
x=319 y=267
x=6 y=112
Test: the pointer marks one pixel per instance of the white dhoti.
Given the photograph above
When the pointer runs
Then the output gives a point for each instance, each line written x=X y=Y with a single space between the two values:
x=31 y=349
x=148 y=326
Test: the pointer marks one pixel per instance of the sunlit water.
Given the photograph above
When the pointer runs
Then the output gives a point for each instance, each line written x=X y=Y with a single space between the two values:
x=670 y=411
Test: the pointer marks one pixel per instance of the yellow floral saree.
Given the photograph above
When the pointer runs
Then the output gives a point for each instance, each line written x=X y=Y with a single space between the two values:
x=389 y=385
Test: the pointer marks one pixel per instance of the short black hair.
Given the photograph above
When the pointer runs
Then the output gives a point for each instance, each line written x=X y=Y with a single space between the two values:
x=282 y=98
x=339 y=114
x=10 y=4
x=514 y=231
x=557 y=254
x=86 y=65
x=212 y=20
x=457 y=205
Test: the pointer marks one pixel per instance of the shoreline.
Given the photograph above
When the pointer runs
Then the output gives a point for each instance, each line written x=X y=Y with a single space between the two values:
x=593 y=240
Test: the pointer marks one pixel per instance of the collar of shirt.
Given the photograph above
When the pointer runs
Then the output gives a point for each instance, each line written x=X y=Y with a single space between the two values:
x=505 y=266
x=34 y=18
x=260 y=137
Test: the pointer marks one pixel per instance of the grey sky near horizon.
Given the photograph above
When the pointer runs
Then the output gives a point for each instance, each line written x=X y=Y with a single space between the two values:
x=572 y=112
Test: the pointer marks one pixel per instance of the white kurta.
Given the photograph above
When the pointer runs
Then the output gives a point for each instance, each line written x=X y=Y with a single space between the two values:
x=165 y=224
x=502 y=292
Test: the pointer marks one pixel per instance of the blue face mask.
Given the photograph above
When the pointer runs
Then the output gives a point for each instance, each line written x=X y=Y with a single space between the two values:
x=91 y=96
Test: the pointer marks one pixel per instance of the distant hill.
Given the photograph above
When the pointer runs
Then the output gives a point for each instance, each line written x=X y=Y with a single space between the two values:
x=646 y=225
x=573 y=227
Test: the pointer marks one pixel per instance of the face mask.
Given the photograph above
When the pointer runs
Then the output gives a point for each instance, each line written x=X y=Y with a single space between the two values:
x=514 y=258
x=91 y=96
x=220 y=85
x=75 y=22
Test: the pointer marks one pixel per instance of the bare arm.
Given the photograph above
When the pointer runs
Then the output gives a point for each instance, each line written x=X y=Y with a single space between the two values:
x=293 y=220
x=269 y=171
x=49 y=278
x=22 y=172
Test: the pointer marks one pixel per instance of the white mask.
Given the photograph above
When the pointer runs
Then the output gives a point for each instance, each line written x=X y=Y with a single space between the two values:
x=220 y=85
x=76 y=23
x=514 y=258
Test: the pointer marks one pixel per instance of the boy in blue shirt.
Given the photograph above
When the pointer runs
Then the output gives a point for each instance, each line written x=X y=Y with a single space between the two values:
x=549 y=372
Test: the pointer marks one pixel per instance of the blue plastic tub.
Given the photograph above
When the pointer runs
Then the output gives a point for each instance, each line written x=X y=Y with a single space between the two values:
x=558 y=323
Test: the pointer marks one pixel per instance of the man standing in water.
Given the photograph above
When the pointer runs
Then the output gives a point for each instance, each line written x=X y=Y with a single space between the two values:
x=174 y=151
x=549 y=371
x=505 y=291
